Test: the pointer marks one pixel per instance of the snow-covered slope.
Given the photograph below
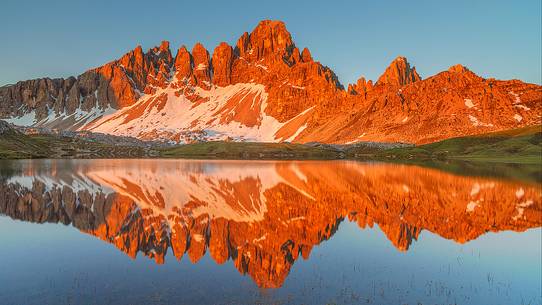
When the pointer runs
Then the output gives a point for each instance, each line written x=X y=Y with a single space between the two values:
x=183 y=114
x=235 y=111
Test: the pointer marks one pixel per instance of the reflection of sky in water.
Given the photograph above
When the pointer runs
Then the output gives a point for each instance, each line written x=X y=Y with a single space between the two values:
x=54 y=264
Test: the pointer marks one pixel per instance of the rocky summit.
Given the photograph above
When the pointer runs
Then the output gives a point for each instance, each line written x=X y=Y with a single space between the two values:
x=264 y=88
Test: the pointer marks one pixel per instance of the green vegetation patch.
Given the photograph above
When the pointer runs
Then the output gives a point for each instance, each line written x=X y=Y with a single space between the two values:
x=522 y=145
x=250 y=150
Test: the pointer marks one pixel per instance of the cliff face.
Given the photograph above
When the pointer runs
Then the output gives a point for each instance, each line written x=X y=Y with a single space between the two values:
x=399 y=74
x=265 y=89
x=263 y=218
x=453 y=103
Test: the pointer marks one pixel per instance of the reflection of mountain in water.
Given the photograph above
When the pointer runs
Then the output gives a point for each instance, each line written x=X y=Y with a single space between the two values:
x=261 y=215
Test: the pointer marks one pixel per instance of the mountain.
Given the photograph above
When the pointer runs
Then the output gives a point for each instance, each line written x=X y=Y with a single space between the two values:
x=263 y=218
x=452 y=103
x=266 y=89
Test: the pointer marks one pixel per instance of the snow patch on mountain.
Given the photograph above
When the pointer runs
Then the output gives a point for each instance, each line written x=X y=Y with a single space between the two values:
x=235 y=111
x=28 y=119
x=469 y=103
x=78 y=118
x=475 y=122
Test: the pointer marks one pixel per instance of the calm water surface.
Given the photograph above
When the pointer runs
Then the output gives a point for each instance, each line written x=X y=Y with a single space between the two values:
x=265 y=232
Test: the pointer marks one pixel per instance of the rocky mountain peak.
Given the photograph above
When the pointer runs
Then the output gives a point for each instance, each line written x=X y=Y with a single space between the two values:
x=164 y=45
x=306 y=55
x=360 y=87
x=458 y=69
x=460 y=72
x=162 y=52
x=202 y=71
x=200 y=54
x=183 y=63
x=222 y=61
x=132 y=58
x=138 y=51
x=268 y=38
x=399 y=73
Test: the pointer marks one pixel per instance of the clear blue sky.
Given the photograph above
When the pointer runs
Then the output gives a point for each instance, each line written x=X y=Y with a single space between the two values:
x=500 y=39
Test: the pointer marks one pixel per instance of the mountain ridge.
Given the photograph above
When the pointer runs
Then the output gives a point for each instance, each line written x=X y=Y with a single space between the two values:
x=265 y=89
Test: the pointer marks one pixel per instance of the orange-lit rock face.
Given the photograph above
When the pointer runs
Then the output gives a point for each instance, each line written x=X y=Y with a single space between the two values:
x=183 y=64
x=304 y=100
x=263 y=215
x=202 y=66
x=268 y=39
x=399 y=73
x=453 y=103
x=222 y=63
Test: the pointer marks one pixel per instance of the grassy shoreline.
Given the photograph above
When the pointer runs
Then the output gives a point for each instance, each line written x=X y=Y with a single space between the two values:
x=250 y=151
x=518 y=146
x=521 y=146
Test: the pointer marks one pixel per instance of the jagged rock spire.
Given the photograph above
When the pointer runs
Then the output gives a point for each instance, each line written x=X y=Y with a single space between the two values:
x=399 y=73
